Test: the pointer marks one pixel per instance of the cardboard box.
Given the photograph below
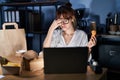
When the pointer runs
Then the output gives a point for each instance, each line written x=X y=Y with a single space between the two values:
x=11 y=68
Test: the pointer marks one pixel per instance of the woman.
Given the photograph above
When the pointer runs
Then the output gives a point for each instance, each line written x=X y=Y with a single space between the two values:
x=63 y=31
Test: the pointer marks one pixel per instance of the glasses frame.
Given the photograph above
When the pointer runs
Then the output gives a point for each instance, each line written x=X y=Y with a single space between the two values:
x=64 y=21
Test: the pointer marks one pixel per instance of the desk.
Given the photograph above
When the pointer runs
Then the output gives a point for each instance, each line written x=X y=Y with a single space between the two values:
x=39 y=75
x=90 y=75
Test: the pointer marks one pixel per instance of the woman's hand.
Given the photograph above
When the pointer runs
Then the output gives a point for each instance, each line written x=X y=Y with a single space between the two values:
x=92 y=42
x=55 y=24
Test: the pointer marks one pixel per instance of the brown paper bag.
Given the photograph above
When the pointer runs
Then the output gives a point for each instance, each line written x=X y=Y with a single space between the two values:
x=12 y=40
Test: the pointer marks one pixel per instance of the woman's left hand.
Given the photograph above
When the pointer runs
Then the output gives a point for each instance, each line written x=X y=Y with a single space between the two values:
x=92 y=42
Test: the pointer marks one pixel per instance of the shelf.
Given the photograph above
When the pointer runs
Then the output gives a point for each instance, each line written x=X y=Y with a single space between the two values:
x=29 y=16
x=109 y=39
x=42 y=3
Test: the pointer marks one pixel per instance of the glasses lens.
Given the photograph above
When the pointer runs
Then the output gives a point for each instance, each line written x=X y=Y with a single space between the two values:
x=65 y=21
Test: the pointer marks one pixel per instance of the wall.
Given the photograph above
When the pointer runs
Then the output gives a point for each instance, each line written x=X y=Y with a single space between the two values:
x=96 y=7
x=118 y=5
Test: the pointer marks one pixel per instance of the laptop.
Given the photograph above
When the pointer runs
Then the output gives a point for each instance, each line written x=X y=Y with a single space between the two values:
x=65 y=60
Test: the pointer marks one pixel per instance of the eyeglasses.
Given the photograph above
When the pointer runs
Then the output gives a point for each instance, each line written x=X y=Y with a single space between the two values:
x=64 y=21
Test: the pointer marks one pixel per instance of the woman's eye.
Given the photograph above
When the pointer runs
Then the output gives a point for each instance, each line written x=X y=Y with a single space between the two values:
x=65 y=21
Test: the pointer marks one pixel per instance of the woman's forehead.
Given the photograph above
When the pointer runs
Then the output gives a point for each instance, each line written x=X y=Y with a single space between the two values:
x=63 y=16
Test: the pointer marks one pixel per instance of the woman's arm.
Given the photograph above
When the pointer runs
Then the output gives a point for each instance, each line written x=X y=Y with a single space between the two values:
x=54 y=25
x=48 y=38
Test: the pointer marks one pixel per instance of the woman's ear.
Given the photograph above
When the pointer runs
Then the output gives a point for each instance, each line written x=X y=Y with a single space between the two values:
x=72 y=20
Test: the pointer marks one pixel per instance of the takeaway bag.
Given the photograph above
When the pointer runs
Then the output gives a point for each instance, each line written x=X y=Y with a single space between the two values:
x=12 y=40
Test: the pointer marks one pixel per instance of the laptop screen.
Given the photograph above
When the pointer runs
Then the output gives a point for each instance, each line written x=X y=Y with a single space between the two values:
x=65 y=60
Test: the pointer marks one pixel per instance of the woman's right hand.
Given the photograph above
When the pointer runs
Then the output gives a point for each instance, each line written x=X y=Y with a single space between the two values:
x=55 y=24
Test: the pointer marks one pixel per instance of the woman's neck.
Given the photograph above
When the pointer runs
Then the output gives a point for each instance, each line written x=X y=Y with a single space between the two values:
x=68 y=36
x=68 y=33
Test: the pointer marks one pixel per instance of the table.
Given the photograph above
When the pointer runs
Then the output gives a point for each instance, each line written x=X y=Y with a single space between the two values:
x=39 y=74
x=90 y=75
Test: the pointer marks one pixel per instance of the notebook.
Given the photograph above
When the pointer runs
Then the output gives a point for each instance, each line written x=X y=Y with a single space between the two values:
x=65 y=60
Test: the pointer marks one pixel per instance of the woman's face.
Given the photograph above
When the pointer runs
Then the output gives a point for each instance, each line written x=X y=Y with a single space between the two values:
x=66 y=24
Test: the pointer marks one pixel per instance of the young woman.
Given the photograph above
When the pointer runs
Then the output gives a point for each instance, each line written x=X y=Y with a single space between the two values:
x=63 y=31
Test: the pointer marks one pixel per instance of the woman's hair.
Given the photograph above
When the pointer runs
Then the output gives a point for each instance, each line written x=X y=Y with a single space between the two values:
x=67 y=12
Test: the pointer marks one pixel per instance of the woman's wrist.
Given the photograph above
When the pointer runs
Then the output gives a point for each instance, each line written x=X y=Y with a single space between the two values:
x=89 y=49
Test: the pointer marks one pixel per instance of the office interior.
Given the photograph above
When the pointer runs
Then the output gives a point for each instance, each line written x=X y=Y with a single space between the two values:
x=36 y=20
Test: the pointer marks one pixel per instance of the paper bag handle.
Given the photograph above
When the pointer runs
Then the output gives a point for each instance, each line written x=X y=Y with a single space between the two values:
x=8 y=24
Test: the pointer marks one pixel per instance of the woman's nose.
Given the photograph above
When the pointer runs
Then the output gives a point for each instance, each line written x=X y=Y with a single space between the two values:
x=62 y=23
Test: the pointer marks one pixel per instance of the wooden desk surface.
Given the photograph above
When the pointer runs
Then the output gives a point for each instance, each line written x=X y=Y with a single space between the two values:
x=39 y=75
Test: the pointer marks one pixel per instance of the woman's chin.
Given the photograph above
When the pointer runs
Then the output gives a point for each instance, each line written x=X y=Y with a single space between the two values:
x=64 y=29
